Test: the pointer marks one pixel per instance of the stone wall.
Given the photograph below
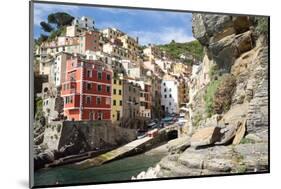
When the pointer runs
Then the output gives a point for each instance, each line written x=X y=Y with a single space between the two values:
x=93 y=135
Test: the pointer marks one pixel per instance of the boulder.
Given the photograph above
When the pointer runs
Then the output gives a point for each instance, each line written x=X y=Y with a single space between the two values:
x=253 y=137
x=243 y=42
x=199 y=30
x=226 y=50
x=179 y=145
x=241 y=23
x=206 y=26
x=240 y=133
x=205 y=136
x=228 y=133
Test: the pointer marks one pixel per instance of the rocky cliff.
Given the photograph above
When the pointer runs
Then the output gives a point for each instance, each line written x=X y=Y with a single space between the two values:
x=228 y=102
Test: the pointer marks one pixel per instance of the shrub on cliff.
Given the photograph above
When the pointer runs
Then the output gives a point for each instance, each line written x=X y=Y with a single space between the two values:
x=223 y=94
x=262 y=25
x=209 y=96
x=219 y=93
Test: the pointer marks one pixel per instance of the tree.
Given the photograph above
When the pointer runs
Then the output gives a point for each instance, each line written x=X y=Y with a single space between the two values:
x=42 y=38
x=46 y=26
x=60 y=19
x=173 y=41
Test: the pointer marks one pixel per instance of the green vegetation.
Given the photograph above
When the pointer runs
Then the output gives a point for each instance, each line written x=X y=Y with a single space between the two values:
x=55 y=33
x=196 y=120
x=219 y=92
x=46 y=26
x=56 y=26
x=209 y=96
x=242 y=168
x=60 y=19
x=174 y=49
x=262 y=25
x=38 y=108
x=214 y=71
x=223 y=94
x=41 y=39
x=247 y=141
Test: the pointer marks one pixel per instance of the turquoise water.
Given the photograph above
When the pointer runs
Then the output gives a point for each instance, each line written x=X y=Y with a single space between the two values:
x=118 y=170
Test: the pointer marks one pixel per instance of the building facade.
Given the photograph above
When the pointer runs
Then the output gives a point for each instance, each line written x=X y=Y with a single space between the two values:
x=84 y=22
x=117 y=98
x=169 y=95
x=131 y=100
x=87 y=90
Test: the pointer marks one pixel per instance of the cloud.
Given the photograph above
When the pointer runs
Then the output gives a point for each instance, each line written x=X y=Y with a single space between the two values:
x=41 y=11
x=163 y=36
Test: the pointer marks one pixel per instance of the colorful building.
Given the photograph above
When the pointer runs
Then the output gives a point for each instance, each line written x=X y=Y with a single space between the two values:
x=169 y=95
x=131 y=100
x=183 y=92
x=87 y=90
x=117 y=98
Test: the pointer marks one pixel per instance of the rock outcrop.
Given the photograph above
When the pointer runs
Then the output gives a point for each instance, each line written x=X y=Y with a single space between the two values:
x=235 y=138
x=214 y=160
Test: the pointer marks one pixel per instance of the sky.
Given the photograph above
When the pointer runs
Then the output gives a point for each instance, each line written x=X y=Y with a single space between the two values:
x=155 y=27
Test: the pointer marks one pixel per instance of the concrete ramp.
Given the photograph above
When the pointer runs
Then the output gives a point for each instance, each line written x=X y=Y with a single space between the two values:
x=126 y=150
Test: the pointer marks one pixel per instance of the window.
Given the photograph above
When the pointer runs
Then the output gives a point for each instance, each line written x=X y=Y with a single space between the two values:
x=108 y=89
x=120 y=92
x=100 y=116
x=108 y=77
x=170 y=103
x=165 y=90
x=88 y=99
x=114 y=91
x=89 y=86
x=114 y=102
x=120 y=82
x=120 y=102
x=99 y=88
x=170 y=96
x=107 y=101
x=98 y=100
x=89 y=73
x=165 y=96
x=129 y=88
x=164 y=84
x=118 y=115
x=99 y=75
x=170 y=90
x=114 y=81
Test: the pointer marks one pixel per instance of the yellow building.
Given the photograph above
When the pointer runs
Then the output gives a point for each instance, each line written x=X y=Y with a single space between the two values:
x=117 y=92
x=179 y=68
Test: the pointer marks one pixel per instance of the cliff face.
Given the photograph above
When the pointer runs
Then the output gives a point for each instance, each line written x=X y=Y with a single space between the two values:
x=235 y=48
x=228 y=102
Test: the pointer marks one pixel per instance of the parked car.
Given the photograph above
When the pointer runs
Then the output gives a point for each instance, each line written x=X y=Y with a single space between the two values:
x=181 y=121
